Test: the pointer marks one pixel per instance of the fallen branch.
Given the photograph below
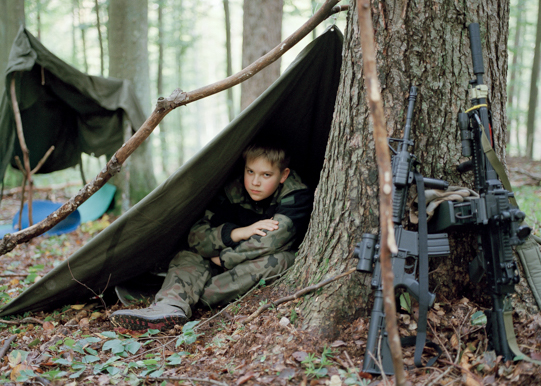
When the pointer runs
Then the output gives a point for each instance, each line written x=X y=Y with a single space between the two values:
x=6 y=345
x=184 y=379
x=533 y=176
x=296 y=295
x=163 y=107
x=22 y=321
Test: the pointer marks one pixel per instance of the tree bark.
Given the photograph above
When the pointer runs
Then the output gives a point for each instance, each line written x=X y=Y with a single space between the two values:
x=82 y=26
x=128 y=59
x=420 y=44
x=262 y=31
x=534 y=89
x=11 y=18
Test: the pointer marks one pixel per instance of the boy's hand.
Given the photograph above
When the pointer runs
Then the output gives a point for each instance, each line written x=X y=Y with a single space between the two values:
x=216 y=260
x=245 y=233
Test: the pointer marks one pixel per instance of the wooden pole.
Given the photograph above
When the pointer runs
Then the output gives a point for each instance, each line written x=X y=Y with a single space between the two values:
x=24 y=149
x=164 y=107
x=383 y=158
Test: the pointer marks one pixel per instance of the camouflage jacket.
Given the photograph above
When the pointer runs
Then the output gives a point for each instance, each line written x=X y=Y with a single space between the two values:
x=290 y=205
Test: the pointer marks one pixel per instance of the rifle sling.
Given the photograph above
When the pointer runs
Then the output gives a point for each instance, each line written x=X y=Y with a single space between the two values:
x=424 y=299
x=512 y=339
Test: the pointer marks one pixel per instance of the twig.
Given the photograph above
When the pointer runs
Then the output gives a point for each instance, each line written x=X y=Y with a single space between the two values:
x=6 y=345
x=163 y=107
x=236 y=301
x=439 y=340
x=13 y=274
x=90 y=289
x=463 y=369
x=185 y=379
x=383 y=160
x=22 y=321
x=42 y=161
x=295 y=295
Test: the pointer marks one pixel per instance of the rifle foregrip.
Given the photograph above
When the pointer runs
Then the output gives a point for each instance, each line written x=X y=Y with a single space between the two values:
x=476 y=51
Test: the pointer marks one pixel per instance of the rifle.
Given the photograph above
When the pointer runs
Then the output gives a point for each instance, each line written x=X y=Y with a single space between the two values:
x=417 y=245
x=494 y=215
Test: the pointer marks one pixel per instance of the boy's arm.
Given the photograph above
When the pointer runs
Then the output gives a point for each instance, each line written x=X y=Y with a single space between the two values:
x=292 y=215
x=205 y=239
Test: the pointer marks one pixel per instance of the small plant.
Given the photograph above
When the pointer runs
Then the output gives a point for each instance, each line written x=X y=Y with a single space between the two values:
x=188 y=334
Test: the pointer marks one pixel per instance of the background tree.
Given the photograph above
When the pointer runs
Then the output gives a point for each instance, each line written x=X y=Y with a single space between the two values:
x=128 y=59
x=534 y=89
x=408 y=36
x=11 y=18
x=262 y=31
x=229 y=60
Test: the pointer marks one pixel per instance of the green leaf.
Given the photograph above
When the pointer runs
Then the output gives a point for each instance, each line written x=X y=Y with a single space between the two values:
x=90 y=359
x=479 y=319
x=157 y=373
x=149 y=362
x=133 y=346
x=116 y=346
x=113 y=370
x=77 y=374
x=62 y=361
x=90 y=350
x=174 y=359
x=25 y=375
x=405 y=302
x=189 y=326
x=17 y=356
x=54 y=374
x=109 y=334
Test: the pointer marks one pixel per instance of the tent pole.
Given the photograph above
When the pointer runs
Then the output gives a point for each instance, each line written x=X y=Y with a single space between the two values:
x=24 y=149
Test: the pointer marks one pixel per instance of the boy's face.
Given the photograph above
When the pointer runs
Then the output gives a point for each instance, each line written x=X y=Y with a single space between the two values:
x=261 y=178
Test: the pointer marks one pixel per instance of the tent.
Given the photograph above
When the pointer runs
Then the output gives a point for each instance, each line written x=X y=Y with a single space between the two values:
x=63 y=107
x=297 y=109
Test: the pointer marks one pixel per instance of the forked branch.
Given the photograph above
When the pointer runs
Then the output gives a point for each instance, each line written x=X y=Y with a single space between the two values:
x=163 y=107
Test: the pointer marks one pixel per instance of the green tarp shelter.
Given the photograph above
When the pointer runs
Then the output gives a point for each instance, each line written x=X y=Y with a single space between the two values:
x=63 y=107
x=297 y=110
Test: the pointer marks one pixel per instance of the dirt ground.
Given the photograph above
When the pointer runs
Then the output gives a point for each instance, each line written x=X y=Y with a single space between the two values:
x=78 y=345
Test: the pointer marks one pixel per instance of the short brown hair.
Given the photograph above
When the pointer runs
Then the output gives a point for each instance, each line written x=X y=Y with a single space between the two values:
x=277 y=156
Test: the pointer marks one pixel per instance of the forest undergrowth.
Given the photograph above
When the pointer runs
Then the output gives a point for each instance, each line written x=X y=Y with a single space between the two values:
x=77 y=344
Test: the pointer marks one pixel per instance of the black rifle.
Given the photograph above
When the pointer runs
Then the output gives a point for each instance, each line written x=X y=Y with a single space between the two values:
x=416 y=245
x=494 y=215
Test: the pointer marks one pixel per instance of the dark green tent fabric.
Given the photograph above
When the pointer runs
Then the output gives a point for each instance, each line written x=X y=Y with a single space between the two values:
x=63 y=107
x=297 y=110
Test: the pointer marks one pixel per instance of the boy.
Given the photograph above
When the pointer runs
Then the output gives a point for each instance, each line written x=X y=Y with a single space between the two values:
x=246 y=234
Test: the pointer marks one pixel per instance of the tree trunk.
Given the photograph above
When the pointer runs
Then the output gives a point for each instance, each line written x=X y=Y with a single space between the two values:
x=517 y=51
x=82 y=26
x=159 y=87
x=229 y=68
x=74 y=18
x=423 y=45
x=11 y=18
x=534 y=89
x=262 y=31
x=98 y=26
x=128 y=59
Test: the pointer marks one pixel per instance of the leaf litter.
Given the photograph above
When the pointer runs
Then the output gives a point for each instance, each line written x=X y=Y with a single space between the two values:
x=76 y=344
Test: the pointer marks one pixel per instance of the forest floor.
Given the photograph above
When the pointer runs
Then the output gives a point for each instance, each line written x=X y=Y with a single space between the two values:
x=77 y=344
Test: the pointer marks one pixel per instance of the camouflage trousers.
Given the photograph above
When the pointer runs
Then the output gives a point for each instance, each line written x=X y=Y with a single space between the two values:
x=190 y=278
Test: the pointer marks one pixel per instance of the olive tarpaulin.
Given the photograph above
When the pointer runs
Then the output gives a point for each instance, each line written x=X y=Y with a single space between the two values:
x=297 y=110
x=61 y=106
